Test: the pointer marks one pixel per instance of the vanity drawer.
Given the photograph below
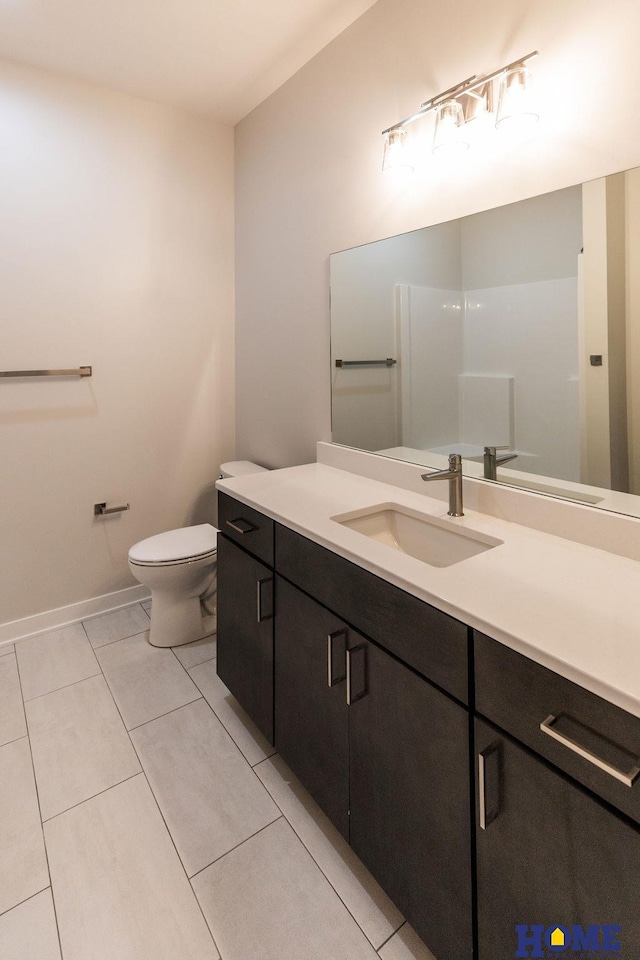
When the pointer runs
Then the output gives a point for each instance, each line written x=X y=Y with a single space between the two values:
x=426 y=639
x=247 y=527
x=592 y=740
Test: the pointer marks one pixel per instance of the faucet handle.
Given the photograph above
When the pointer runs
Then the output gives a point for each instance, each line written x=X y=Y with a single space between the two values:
x=491 y=450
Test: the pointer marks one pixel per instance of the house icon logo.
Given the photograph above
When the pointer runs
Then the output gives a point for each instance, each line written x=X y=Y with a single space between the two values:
x=573 y=942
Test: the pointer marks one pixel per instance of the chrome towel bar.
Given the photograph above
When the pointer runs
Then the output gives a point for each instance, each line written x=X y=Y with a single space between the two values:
x=77 y=372
x=366 y=363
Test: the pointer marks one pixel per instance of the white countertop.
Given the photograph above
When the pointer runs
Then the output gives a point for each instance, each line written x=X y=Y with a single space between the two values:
x=570 y=607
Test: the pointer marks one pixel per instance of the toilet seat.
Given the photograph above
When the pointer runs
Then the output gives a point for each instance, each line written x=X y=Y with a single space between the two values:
x=176 y=546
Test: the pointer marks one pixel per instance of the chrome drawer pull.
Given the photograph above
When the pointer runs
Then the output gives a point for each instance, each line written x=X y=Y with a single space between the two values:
x=356 y=663
x=487 y=813
x=482 y=811
x=241 y=526
x=627 y=778
x=260 y=615
x=331 y=639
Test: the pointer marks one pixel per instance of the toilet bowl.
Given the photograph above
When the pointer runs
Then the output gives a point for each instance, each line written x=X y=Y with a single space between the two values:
x=179 y=567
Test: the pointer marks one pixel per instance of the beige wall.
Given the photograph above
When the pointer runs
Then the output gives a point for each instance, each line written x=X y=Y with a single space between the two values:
x=308 y=176
x=116 y=237
x=632 y=272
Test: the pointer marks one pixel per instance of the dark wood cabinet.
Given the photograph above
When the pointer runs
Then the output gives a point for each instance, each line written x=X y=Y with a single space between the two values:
x=410 y=800
x=311 y=713
x=249 y=528
x=532 y=703
x=430 y=641
x=245 y=632
x=391 y=725
x=550 y=855
x=386 y=756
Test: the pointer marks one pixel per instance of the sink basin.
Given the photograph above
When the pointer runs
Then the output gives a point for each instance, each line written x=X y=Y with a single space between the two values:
x=437 y=542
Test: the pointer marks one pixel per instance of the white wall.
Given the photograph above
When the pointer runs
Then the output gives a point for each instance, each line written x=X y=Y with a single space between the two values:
x=116 y=238
x=309 y=182
x=536 y=239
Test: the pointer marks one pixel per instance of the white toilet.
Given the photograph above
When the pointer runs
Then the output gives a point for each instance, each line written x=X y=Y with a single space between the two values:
x=179 y=567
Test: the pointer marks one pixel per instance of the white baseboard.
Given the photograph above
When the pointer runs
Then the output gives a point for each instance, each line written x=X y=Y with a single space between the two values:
x=63 y=616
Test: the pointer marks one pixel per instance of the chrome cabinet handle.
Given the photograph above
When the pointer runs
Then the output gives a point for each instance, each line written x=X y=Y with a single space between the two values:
x=240 y=525
x=332 y=640
x=547 y=726
x=356 y=663
x=487 y=814
x=260 y=616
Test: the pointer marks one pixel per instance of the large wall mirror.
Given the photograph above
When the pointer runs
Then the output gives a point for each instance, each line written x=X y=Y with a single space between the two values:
x=516 y=329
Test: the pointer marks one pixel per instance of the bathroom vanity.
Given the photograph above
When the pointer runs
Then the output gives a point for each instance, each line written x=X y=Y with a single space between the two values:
x=486 y=778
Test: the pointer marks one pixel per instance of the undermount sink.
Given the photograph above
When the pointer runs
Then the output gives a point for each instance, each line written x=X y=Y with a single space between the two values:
x=438 y=542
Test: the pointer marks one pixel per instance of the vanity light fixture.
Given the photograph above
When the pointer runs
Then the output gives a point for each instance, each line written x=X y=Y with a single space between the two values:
x=465 y=111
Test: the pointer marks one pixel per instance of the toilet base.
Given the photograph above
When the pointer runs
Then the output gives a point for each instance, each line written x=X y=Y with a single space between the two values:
x=175 y=620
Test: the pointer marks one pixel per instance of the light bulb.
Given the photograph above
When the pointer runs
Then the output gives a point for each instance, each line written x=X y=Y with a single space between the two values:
x=450 y=138
x=395 y=160
x=516 y=107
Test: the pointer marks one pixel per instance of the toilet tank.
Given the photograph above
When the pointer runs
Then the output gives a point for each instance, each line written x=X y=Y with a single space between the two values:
x=238 y=468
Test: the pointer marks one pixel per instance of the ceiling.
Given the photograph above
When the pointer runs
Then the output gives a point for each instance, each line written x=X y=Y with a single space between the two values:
x=219 y=58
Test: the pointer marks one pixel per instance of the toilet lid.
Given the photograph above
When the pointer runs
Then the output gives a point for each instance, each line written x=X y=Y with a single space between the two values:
x=187 y=543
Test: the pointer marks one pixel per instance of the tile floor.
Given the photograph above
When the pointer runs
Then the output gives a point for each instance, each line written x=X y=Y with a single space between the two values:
x=143 y=817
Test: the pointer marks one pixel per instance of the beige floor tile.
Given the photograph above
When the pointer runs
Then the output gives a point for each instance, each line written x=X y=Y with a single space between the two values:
x=239 y=726
x=405 y=945
x=210 y=797
x=55 y=659
x=6 y=648
x=146 y=605
x=79 y=743
x=116 y=625
x=23 y=865
x=145 y=681
x=120 y=889
x=357 y=889
x=12 y=722
x=29 y=932
x=267 y=900
x=191 y=654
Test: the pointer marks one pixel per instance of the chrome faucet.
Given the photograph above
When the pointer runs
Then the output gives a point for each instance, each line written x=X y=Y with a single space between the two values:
x=454 y=476
x=492 y=461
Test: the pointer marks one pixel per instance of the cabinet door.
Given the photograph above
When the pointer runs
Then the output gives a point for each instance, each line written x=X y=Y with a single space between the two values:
x=549 y=856
x=410 y=798
x=311 y=714
x=245 y=632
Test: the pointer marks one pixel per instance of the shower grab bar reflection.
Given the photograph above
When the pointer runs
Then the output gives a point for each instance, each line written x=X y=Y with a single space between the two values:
x=76 y=372
x=366 y=363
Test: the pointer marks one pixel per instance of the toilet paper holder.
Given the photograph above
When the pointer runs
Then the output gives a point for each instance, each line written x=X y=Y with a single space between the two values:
x=102 y=510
